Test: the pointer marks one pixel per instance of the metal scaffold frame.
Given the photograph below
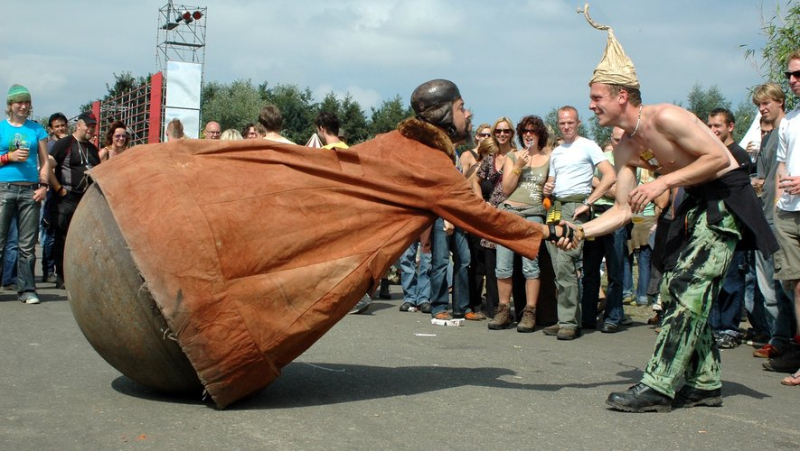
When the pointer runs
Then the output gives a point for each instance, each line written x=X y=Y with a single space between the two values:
x=181 y=34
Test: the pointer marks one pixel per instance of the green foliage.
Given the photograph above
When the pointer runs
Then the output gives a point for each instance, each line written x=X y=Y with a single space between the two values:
x=745 y=113
x=298 y=110
x=353 y=121
x=231 y=105
x=601 y=135
x=386 y=117
x=782 y=30
x=702 y=101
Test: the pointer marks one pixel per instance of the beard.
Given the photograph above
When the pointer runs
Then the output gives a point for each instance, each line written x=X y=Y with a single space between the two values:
x=463 y=134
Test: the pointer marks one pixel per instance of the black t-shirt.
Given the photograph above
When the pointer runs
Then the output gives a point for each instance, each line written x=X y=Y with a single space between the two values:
x=741 y=156
x=73 y=159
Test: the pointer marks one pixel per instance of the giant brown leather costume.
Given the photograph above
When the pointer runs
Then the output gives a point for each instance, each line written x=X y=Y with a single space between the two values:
x=252 y=250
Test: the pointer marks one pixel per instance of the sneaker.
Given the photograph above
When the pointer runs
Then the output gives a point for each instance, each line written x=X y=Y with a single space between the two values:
x=528 y=321
x=51 y=278
x=29 y=297
x=726 y=341
x=425 y=307
x=640 y=398
x=627 y=299
x=444 y=315
x=474 y=316
x=361 y=306
x=766 y=352
x=406 y=306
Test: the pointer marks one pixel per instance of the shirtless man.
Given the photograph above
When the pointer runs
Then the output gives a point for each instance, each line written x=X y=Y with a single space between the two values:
x=720 y=210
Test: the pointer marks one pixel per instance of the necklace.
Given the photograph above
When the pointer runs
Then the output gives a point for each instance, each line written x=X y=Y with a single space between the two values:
x=638 y=120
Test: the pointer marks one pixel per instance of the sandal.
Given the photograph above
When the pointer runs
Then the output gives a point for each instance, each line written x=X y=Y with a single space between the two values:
x=792 y=381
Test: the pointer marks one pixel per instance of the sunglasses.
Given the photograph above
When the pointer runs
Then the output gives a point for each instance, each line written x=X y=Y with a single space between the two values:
x=528 y=130
x=484 y=135
x=795 y=74
x=120 y=136
x=499 y=131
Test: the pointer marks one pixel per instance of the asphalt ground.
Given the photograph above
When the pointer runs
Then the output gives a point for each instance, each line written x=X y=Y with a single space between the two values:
x=382 y=380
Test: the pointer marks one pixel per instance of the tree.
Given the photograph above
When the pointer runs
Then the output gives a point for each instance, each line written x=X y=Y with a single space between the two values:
x=232 y=105
x=782 y=31
x=701 y=101
x=353 y=121
x=744 y=114
x=388 y=115
x=600 y=134
x=297 y=107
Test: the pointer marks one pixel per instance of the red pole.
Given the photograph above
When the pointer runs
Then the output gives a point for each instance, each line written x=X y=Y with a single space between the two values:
x=154 y=127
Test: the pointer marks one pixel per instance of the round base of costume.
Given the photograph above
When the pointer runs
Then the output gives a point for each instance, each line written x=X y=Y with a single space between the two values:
x=113 y=307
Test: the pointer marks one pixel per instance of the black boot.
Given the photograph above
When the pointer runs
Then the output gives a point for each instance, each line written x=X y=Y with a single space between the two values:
x=640 y=398
x=384 y=293
x=692 y=397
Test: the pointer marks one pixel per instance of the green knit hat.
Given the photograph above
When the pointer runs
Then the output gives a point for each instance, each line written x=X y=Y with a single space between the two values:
x=18 y=93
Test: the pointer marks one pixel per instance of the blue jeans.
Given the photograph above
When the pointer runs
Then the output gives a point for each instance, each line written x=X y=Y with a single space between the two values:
x=726 y=311
x=17 y=200
x=613 y=247
x=627 y=276
x=47 y=238
x=778 y=308
x=10 y=255
x=643 y=259
x=505 y=260
x=415 y=281
x=442 y=244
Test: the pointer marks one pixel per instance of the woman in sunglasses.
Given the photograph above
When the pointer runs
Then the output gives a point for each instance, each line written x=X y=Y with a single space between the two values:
x=524 y=174
x=117 y=140
x=490 y=173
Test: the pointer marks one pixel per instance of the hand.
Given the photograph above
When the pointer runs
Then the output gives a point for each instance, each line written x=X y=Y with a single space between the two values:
x=758 y=185
x=790 y=184
x=548 y=188
x=580 y=210
x=40 y=194
x=18 y=155
x=644 y=194
x=522 y=161
x=566 y=244
x=449 y=228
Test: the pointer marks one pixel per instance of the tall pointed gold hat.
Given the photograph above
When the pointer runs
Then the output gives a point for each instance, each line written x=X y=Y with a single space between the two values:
x=615 y=67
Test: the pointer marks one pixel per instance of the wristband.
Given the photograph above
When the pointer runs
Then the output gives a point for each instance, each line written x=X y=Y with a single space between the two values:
x=4 y=158
x=517 y=171
x=44 y=185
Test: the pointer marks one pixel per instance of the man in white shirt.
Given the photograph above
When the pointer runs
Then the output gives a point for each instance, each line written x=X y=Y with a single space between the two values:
x=573 y=164
x=787 y=207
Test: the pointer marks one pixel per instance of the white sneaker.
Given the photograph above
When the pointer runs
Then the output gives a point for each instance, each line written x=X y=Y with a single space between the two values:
x=29 y=298
x=362 y=305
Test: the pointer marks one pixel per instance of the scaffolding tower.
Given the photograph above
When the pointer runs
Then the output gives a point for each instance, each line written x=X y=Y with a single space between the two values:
x=181 y=34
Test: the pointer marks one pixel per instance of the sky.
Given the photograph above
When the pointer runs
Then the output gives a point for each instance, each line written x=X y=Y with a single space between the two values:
x=508 y=57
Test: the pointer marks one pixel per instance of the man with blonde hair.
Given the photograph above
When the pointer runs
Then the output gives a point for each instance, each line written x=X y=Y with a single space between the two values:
x=719 y=212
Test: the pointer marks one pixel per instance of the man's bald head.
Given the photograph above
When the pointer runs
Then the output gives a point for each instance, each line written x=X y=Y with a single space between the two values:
x=212 y=130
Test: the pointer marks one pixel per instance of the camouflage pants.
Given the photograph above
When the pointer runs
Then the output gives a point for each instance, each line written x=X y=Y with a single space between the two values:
x=685 y=346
